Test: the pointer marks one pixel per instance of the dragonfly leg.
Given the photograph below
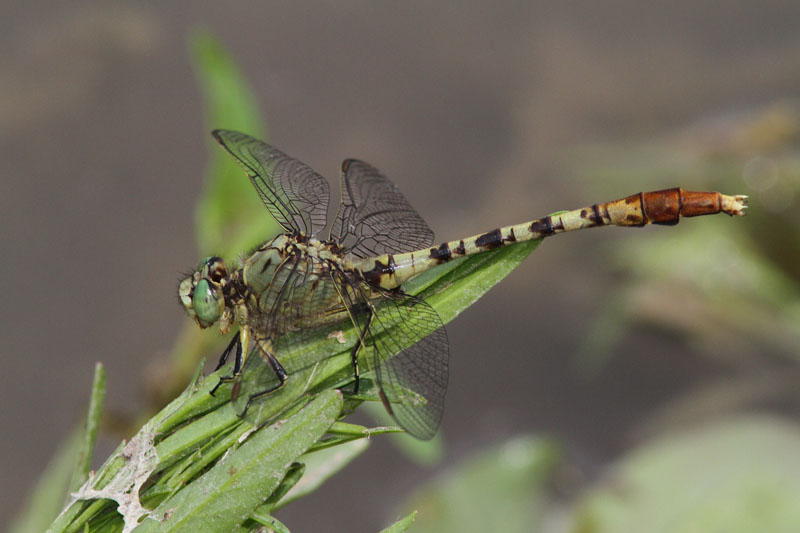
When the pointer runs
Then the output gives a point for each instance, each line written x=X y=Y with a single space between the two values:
x=362 y=338
x=242 y=342
x=224 y=359
x=280 y=373
x=238 y=365
x=354 y=357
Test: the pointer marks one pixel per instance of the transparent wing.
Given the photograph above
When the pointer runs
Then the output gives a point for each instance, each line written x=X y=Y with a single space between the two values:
x=374 y=217
x=294 y=194
x=406 y=348
x=421 y=368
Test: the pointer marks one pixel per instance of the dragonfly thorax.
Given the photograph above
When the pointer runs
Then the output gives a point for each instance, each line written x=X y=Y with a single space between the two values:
x=276 y=262
x=214 y=296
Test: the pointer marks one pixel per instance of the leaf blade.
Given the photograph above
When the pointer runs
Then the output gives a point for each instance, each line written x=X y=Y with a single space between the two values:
x=229 y=492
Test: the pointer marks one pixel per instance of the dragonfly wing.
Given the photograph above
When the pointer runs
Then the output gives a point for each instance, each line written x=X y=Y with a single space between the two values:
x=294 y=194
x=406 y=348
x=374 y=217
x=417 y=375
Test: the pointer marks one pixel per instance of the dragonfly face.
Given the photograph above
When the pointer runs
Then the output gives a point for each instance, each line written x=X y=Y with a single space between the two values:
x=203 y=294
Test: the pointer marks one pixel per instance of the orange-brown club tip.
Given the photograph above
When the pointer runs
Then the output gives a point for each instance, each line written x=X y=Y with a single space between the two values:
x=734 y=205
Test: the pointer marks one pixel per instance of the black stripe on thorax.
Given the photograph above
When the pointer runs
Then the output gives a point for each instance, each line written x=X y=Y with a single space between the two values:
x=235 y=289
x=266 y=265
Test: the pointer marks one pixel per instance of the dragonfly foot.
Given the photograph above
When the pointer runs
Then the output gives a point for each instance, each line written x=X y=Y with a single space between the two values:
x=222 y=379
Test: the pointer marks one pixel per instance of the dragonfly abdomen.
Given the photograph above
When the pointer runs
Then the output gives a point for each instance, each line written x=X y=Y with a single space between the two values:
x=663 y=207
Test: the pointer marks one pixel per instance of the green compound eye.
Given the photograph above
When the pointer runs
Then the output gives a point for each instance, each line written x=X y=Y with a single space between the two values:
x=205 y=304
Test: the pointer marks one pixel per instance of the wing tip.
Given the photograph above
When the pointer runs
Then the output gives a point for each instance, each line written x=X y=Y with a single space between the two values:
x=223 y=136
x=218 y=135
x=350 y=161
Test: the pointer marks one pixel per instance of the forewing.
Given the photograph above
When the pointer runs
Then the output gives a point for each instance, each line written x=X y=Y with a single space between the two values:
x=374 y=217
x=294 y=194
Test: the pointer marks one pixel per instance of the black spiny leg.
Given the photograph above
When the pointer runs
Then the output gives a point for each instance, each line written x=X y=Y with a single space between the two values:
x=280 y=373
x=235 y=341
x=362 y=337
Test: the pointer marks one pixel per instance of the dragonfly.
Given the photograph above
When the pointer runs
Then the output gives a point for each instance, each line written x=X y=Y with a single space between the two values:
x=303 y=279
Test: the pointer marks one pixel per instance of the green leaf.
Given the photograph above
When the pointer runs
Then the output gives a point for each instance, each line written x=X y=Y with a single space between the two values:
x=292 y=477
x=84 y=462
x=453 y=287
x=228 y=493
x=322 y=465
x=500 y=489
x=423 y=452
x=272 y=524
x=401 y=525
x=740 y=475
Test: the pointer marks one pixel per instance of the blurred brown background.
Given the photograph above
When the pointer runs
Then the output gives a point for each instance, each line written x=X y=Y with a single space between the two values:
x=471 y=110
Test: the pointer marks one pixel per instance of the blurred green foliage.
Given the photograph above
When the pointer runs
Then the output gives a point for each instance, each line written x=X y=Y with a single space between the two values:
x=739 y=475
x=503 y=488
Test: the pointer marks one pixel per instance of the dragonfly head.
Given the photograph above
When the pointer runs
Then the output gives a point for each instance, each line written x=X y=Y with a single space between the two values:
x=202 y=294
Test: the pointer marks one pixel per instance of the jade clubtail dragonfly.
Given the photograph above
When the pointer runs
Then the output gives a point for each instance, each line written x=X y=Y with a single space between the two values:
x=376 y=242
